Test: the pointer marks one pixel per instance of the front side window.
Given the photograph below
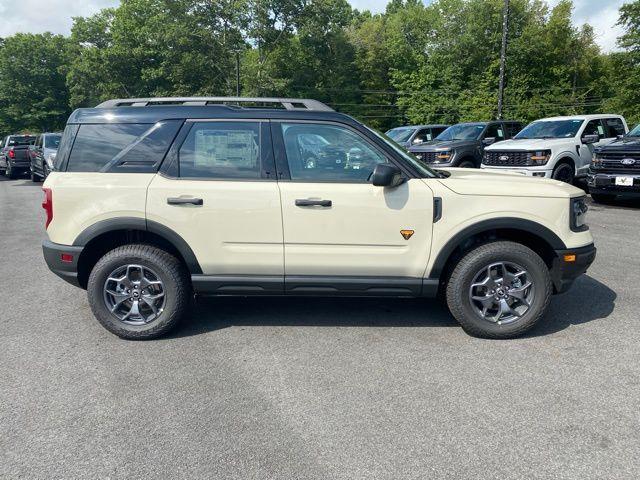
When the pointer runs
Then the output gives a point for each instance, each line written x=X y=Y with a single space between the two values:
x=594 y=127
x=422 y=136
x=551 y=129
x=342 y=156
x=220 y=150
x=50 y=141
x=495 y=131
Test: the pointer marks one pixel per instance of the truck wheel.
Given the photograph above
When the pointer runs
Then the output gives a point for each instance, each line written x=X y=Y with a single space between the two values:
x=467 y=164
x=9 y=172
x=499 y=290
x=139 y=292
x=563 y=172
x=34 y=177
x=602 y=197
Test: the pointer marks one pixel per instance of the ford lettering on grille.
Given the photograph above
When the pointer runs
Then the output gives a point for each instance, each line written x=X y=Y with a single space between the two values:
x=503 y=158
x=628 y=161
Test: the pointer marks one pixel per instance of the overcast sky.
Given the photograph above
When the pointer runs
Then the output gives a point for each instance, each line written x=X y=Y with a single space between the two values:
x=33 y=16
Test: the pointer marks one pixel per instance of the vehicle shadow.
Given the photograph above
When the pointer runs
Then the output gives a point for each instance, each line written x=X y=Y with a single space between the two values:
x=587 y=301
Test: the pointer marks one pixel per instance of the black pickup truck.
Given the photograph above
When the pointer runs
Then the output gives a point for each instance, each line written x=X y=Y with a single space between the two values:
x=615 y=168
x=14 y=154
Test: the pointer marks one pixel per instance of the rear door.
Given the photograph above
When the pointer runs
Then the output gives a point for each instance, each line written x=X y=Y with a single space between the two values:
x=218 y=191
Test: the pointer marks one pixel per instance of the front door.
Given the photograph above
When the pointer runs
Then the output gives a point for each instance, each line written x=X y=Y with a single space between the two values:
x=220 y=195
x=338 y=227
x=593 y=127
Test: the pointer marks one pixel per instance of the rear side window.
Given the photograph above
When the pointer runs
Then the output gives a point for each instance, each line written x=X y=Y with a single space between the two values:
x=614 y=127
x=220 y=150
x=65 y=146
x=512 y=128
x=121 y=147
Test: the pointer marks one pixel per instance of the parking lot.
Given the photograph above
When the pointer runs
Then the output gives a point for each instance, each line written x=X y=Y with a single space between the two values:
x=317 y=388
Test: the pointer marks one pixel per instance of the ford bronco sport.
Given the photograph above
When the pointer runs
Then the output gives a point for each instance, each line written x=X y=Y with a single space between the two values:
x=152 y=200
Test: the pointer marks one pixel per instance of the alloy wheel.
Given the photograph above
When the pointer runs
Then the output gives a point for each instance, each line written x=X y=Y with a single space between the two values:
x=502 y=292
x=134 y=294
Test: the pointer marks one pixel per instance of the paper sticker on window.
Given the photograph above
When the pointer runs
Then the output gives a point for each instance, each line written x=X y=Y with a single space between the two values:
x=600 y=129
x=216 y=148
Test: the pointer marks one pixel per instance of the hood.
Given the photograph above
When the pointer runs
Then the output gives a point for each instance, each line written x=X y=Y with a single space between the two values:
x=530 y=144
x=438 y=144
x=625 y=143
x=473 y=181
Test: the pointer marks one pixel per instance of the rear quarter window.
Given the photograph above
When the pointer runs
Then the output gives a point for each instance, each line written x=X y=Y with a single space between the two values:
x=121 y=147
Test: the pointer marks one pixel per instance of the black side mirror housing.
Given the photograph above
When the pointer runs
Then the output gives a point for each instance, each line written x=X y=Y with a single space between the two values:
x=489 y=141
x=589 y=139
x=387 y=175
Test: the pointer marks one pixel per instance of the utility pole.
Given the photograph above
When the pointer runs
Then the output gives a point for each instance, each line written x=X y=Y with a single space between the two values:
x=237 y=73
x=503 y=56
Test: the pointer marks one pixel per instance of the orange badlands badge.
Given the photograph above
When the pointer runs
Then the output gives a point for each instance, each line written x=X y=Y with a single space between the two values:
x=406 y=234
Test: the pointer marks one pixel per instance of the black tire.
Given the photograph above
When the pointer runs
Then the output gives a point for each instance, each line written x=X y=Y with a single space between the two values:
x=45 y=172
x=603 y=197
x=34 y=177
x=173 y=274
x=10 y=172
x=564 y=172
x=467 y=164
x=459 y=286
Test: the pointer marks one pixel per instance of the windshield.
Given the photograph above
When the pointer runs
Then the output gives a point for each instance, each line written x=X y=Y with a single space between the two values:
x=462 y=131
x=400 y=134
x=551 y=129
x=635 y=132
x=52 y=141
x=24 y=140
x=420 y=166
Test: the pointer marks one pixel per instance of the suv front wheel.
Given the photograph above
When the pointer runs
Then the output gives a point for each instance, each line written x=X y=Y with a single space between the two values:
x=499 y=290
x=139 y=292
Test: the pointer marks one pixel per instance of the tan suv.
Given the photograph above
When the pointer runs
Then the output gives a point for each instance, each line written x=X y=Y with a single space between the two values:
x=153 y=200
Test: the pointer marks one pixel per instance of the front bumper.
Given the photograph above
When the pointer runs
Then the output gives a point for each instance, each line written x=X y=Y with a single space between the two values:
x=529 y=172
x=65 y=269
x=564 y=272
x=606 y=183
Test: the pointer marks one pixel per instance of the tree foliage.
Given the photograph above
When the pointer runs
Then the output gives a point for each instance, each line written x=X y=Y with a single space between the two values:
x=413 y=63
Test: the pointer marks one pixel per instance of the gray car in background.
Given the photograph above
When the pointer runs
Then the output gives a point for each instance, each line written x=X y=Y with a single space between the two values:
x=42 y=155
x=462 y=145
x=415 y=134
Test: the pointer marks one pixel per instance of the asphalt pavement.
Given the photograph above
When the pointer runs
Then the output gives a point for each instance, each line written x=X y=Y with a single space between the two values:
x=291 y=388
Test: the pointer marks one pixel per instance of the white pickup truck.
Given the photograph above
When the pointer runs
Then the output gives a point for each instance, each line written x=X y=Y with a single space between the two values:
x=559 y=147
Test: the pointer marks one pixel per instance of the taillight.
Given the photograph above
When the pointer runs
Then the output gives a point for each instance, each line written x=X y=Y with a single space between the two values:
x=12 y=154
x=47 y=204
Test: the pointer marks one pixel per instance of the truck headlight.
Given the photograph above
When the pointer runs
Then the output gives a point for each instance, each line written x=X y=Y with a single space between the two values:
x=596 y=161
x=443 y=156
x=540 y=157
x=578 y=212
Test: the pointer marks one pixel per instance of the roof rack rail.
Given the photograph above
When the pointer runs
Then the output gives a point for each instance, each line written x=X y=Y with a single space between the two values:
x=287 y=103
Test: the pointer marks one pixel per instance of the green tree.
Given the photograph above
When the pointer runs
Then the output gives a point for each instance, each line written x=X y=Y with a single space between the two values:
x=33 y=94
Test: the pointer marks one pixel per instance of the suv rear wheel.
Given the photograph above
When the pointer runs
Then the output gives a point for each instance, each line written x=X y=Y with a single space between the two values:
x=139 y=292
x=499 y=290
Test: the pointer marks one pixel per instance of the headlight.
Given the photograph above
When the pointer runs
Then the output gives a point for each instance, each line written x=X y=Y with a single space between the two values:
x=540 y=157
x=596 y=161
x=579 y=210
x=443 y=156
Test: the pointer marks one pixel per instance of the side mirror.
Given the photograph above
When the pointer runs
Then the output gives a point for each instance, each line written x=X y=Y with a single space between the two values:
x=386 y=175
x=619 y=137
x=588 y=139
x=489 y=141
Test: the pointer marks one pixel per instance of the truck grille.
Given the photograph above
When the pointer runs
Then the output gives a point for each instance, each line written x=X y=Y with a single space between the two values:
x=428 y=157
x=613 y=161
x=506 y=159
